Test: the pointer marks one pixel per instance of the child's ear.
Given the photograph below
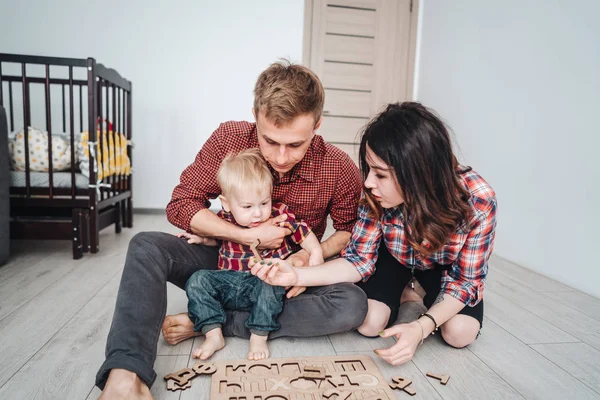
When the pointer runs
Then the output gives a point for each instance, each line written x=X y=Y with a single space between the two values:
x=224 y=203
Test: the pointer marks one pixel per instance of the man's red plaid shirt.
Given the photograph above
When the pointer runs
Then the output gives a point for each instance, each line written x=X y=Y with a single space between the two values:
x=466 y=251
x=325 y=181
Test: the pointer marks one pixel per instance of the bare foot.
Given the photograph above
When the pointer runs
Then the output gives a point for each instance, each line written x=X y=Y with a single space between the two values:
x=258 y=347
x=124 y=384
x=177 y=328
x=214 y=342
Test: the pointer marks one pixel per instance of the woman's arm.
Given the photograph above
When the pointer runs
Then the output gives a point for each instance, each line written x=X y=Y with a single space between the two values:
x=410 y=335
x=281 y=273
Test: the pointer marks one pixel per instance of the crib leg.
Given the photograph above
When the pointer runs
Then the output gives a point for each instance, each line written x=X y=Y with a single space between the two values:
x=123 y=207
x=94 y=234
x=77 y=233
x=129 y=213
x=85 y=235
x=118 y=217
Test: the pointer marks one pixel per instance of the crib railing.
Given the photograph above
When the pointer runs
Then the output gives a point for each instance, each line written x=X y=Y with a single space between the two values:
x=76 y=95
x=107 y=97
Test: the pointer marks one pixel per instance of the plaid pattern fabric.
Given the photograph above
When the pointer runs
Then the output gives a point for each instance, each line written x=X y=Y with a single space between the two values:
x=235 y=256
x=325 y=181
x=466 y=251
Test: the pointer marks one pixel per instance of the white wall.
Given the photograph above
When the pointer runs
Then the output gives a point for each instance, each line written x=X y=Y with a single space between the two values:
x=193 y=64
x=519 y=83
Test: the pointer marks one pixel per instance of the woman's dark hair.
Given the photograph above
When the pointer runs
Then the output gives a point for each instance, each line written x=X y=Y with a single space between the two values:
x=415 y=144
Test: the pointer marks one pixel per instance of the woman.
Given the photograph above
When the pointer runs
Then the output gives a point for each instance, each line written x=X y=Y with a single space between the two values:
x=423 y=217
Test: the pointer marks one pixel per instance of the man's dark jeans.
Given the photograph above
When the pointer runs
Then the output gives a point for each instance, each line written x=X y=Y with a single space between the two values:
x=210 y=293
x=155 y=258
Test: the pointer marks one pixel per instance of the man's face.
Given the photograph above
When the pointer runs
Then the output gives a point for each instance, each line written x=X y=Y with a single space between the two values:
x=284 y=147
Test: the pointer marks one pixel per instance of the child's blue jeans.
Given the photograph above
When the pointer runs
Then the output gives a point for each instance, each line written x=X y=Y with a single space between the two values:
x=210 y=293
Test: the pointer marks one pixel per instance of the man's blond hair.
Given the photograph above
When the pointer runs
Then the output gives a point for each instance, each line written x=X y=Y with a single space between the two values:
x=285 y=91
x=244 y=171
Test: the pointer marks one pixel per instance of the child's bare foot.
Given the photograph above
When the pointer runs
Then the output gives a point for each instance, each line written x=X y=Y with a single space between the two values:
x=177 y=328
x=258 y=347
x=214 y=342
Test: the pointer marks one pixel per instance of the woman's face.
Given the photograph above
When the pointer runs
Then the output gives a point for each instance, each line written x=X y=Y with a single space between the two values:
x=382 y=183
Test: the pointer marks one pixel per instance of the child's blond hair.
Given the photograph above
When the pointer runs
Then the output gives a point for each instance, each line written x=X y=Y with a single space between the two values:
x=244 y=171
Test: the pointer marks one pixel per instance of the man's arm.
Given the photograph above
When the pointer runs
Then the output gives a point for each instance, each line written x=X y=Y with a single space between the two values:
x=206 y=223
x=335 y=243
x=344 y=207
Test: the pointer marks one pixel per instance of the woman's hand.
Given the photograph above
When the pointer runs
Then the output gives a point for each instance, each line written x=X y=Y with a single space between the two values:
x=275 y=272
x=408 y=338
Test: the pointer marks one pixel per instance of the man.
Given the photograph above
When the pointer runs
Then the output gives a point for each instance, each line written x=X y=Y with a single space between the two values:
x=314 y=178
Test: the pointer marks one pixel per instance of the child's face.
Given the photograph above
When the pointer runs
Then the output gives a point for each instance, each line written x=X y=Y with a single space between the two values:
x=249 y=208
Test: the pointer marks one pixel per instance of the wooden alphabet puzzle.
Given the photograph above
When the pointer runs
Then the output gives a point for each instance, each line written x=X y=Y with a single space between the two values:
x=308 y=378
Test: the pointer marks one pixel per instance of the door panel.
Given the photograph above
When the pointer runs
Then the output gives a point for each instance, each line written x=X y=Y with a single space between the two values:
x=349 y=49
x=350 y=21
x=347 y=76
x=347 y=103
x=342 y=129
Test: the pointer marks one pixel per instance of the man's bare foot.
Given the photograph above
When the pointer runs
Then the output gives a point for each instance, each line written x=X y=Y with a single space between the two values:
x=214 y=342
x=124 y=384
x=258 y=347
x=177 y=328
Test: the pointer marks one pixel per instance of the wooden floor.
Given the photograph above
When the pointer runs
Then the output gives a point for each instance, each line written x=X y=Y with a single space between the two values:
x=541 y=339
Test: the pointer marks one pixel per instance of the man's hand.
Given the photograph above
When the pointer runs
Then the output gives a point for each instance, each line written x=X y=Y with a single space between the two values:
x=408 y=338
x=269 y=233
x=195 y=239
x=299 y=259
x=294 y=291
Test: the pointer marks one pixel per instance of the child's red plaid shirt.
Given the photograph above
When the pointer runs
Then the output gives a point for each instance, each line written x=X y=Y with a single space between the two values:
x=235 y=256
x=467 y=252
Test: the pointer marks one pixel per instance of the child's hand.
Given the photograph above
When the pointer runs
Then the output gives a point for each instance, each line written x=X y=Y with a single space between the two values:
x=195 y=239
x=316 y=258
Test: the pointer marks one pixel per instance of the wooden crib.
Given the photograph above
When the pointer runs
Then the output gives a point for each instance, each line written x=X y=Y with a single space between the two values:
x=69 y=96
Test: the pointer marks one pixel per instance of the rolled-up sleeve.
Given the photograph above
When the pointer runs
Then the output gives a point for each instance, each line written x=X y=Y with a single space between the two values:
x=197 y=185
x=362 y=249
x=466 y=279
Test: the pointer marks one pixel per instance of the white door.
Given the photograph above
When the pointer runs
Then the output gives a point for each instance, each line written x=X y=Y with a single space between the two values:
x=363 y=51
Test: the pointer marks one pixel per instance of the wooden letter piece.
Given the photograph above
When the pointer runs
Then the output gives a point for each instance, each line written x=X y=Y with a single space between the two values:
x=253 y=247
x=402 y=384
x=442 y=378
x=204 y=369
x=173 y=386
x=182 y=376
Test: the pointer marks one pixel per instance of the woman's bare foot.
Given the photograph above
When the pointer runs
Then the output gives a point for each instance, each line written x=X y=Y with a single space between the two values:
x=214 y=342
x=177 y=328
x=258 y=347
x=124 y=384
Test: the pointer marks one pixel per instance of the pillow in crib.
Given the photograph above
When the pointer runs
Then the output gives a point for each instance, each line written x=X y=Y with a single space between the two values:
x=112 y=157
x=38 y=151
